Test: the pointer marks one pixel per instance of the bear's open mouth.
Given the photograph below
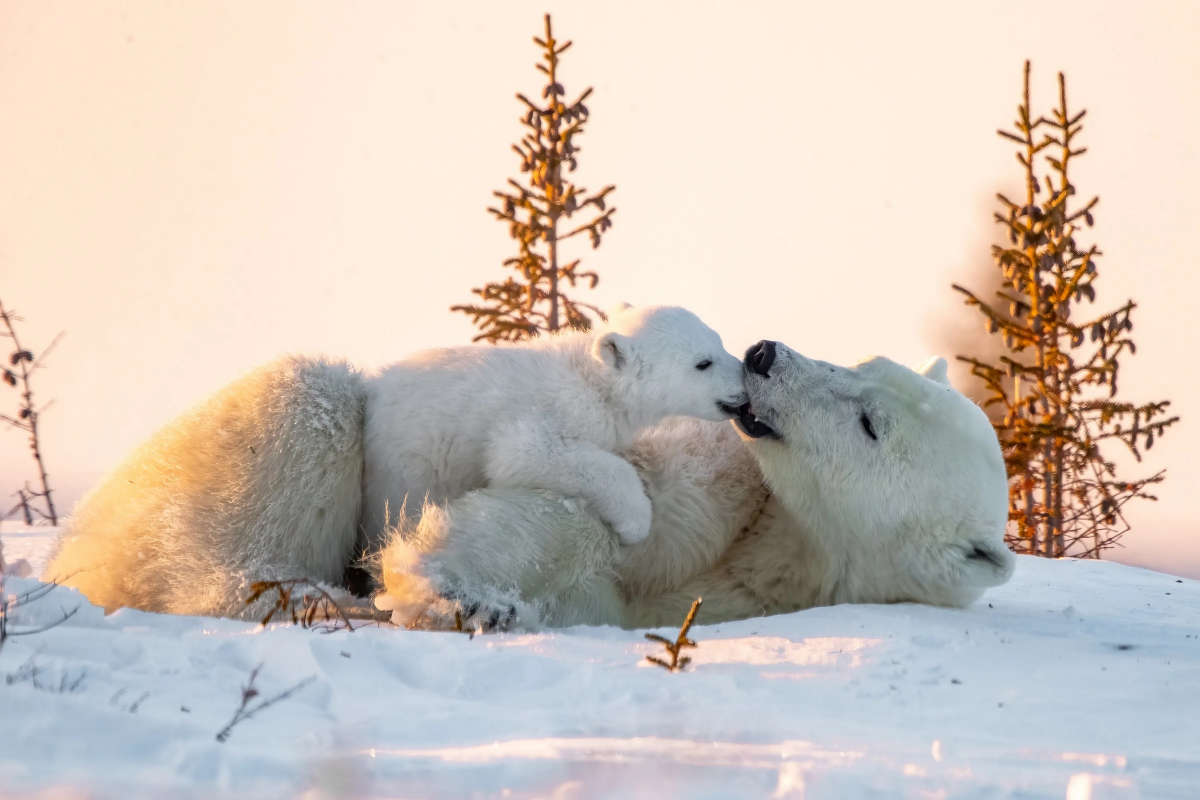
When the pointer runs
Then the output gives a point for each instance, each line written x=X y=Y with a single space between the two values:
x=751 y=426
x=733 y=412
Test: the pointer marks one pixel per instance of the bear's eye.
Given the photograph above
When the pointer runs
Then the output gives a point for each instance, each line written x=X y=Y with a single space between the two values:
x=866 y=423
x=980 y=554
x=703 y=365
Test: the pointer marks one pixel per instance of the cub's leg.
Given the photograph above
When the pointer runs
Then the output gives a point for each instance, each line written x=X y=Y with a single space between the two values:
x=527 y=455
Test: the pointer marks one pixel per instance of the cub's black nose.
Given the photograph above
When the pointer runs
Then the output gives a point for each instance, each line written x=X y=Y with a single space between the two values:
x=760 y=357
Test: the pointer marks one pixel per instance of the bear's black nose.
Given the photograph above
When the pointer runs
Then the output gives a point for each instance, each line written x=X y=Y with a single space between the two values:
x=760 y=357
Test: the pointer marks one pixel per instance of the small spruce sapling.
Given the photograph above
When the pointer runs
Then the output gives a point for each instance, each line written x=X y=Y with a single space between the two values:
x=534 y=301
x=673 y=648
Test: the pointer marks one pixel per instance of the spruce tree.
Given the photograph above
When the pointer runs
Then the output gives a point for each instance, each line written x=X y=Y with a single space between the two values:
x=1057 y=385
x=540 y=215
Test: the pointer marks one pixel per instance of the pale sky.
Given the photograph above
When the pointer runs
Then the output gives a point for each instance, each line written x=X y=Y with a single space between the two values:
x=190 y=189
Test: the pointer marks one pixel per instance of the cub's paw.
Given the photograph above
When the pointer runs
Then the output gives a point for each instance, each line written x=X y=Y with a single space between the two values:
x=632 y=523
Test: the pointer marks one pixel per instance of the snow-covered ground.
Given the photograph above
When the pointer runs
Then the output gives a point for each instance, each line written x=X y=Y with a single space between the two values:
x=1077 y=680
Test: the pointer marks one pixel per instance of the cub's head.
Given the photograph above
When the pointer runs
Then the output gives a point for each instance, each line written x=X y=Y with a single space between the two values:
x=903 y=472
x=670 y=363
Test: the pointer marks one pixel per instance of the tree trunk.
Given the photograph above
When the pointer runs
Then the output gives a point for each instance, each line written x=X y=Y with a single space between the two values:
x=1060 y=544
x=552 y=243
x=1030 y=519
x=1048 y=481
x=37 y=456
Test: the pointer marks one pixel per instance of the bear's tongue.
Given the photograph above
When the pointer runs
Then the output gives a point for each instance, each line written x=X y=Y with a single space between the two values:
x=750 y=424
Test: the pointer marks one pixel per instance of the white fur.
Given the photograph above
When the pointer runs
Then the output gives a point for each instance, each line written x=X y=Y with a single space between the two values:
x=260 y=482
x=263 y=482
x=915 y=514
x=552 y=414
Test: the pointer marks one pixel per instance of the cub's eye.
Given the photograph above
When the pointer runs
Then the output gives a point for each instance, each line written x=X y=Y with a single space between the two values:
x=703 y=365
x=866 y=423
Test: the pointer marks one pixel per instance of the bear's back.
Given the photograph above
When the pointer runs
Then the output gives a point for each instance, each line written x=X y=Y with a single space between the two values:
x=474 y=386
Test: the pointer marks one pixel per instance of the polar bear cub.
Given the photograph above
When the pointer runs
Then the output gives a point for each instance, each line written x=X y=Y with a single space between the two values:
x=550 y=414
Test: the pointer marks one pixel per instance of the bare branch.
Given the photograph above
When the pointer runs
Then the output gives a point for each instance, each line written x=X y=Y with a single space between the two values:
x=22 y=365
x=245 y=711
x=673 y=648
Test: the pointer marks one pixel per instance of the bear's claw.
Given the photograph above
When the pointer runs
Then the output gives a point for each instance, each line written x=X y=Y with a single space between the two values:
x=475 y=615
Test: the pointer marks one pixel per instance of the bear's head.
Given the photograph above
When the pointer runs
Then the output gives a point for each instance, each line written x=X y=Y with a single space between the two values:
x=665 y=362
x=888 y=465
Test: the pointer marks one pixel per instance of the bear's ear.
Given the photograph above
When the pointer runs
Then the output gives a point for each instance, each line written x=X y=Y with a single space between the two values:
x=935 y=369
x=617 y=309
x=612 y=349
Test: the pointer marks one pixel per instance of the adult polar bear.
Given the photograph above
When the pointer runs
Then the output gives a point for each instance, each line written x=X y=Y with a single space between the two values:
x=881 y=485
x=264 y=481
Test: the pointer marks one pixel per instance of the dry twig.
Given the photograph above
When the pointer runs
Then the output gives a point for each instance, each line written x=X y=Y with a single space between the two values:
x=245 y=711
x=17 y=373
x=317 y=608
x=10 y=603
x=681 y=641
x=30 y=671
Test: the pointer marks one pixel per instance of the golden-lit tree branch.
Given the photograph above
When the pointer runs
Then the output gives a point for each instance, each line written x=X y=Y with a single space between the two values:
x=1059 y=382
x=524 y=307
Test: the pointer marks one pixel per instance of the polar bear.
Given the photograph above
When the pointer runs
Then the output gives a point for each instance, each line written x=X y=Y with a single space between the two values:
x=874 y=484
x=871 y=484
x=262 y=481
x=550 y=414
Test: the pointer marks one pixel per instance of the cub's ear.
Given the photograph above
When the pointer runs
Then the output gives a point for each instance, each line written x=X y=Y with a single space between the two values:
x=612 y=349
x=935 y=369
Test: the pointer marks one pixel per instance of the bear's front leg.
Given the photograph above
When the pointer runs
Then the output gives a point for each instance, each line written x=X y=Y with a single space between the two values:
x=495 y=559
x=524 y=455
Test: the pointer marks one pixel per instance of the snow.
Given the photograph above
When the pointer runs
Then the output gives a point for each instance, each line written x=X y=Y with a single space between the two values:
x=30 y=544
x=1076 y=680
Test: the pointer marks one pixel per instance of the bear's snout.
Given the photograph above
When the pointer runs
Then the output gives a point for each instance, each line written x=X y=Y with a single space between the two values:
x=760 y=357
